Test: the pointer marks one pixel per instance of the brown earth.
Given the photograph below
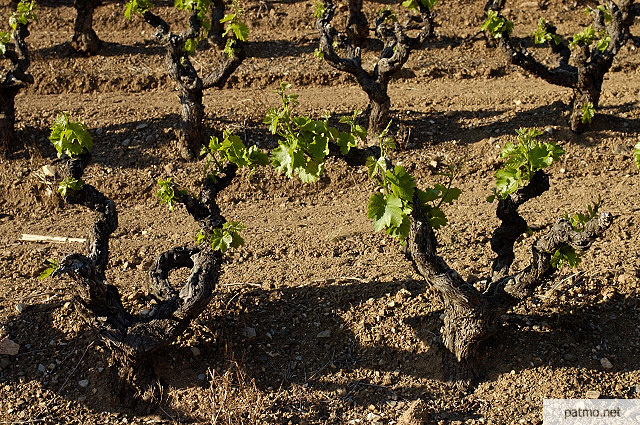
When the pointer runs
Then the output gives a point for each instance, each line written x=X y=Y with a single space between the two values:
x=345 y=331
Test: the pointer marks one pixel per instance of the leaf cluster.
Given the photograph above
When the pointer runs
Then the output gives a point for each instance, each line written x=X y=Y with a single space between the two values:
x=587 y=36
x=636 y=154
x=201 y=7
x=542 y=34
x=579 y=219
x=52 y=266
x=233 y=150
x=497 y=25
x=235 y=29
x=415 y=4
x=567 y=254
x=25 y=13
x=137 y=7
x=69 y=184
x=522 y=160
x=5 y=39
x=221 y=239
x=588 y=112
x=167 y=192
x=303 y=143
x=70 y=138
x=391 y=206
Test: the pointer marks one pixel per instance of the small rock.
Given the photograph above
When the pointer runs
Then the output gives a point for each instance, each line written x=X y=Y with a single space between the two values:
x=549 y=130
x=530 y=5
x=99 y=131
x=372 y=417
x=82 y=399
x=606 y=363
x=324 y=334
x=42 y=368
x=621 y=150
x=84 y=383
x=49 y=170
x=142 y=126
x=202 y=377
x=249 y=333
x=195 y=351
x=570 y=357
x=126 y=142
x=592 y=394
x=9 y=347
x=450 y=114
x=4 y=363
x=517 y=102
x=21 y=307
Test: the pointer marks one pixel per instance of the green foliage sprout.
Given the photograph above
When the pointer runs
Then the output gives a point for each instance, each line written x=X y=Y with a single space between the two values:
x=234 y=29
x=391 y=206
x=497 y=25
x=69 y=184
x=636 y=154
x=52 y=266
x=231 y=149
x=303 y=143
x=588 y=36
x=522 y=161
x=320 y=9
x=221 y=239
x=70 y=138
x=414 y=5
x=25 y=13
x=137 y=7
x=588 y=112
x=5 y=39
x=167 y=192
x=542 y=34
x=201 y=7
x=567 y=254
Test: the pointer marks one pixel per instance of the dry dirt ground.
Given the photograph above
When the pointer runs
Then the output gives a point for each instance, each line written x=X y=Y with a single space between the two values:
x=318 y=319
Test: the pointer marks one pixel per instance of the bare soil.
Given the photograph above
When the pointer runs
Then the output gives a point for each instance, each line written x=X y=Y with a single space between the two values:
x=318 y=319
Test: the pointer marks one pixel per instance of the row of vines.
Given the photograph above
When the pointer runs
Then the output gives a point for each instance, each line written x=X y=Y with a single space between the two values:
x=410 y=214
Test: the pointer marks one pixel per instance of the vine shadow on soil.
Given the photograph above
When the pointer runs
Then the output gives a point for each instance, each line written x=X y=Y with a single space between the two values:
x=288 y=351
x=434 y=128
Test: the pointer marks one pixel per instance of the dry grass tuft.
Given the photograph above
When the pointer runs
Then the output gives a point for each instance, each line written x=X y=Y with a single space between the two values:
x=234 y=399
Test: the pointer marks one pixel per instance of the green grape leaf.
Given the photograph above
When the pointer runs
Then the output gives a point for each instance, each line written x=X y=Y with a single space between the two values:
x=636 y=154
x=69 y=184
x=5 y=39
x=506 y=182
x=282 y=159
x=565 y=255
x=137 y=7
x=52 y=266
x=385 y=211
x=311 y=171
x=436 y=216
x=497 y=25
x=70 y=138
x=401 y=183
x=166 y=193
x=588 y=112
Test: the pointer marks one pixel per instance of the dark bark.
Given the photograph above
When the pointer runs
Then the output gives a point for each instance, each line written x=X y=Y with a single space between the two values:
x=12 y=82
x=190 y=85
x=357 y=25
x=395 y=53
x=133 y=338
x=592 y=65
x=214 y=36
x=471 y=315
x=85 y=40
